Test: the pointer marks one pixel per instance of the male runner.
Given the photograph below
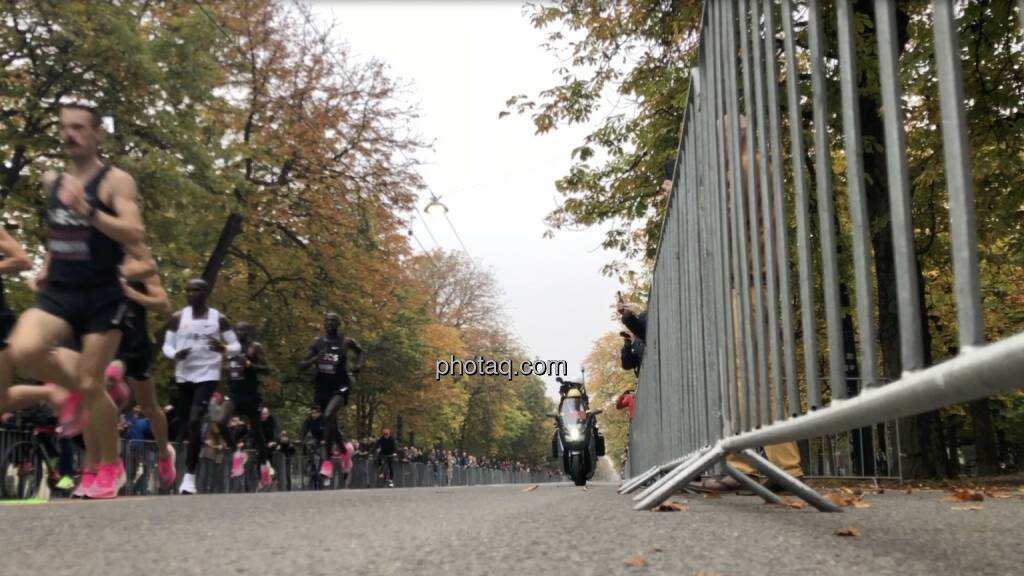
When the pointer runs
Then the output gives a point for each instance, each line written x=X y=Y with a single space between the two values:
x=330 y=354
x=243 y=370
x=136 y=357
x=197 y=338
x=91 y=213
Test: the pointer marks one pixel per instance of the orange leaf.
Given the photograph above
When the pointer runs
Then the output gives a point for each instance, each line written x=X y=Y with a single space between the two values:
x=530 y=488
x=838 y=499
x=965 y=495
x=790 y=503
x=671 y=506
x=636 y=562
x=851 y=532
x=999 y=494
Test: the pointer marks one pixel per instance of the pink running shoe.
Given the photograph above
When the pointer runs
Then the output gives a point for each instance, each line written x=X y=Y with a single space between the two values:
x=327 y=469
x=109 y=481
x=72 y=416
x=238 y=460
x=346 y=458
x=265 y=476
x=165 y=471
x=116 y=387
x=85 y=484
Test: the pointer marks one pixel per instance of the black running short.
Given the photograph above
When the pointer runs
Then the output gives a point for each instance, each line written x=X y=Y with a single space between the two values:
x=322 y=400
x=195 y=394
x=136 y=362
x=87 y=310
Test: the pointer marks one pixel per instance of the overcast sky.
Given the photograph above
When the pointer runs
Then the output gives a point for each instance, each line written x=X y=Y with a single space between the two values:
x=463 y=60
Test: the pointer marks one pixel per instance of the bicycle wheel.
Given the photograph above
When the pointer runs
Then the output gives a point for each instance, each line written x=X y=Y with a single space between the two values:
x=24 y=469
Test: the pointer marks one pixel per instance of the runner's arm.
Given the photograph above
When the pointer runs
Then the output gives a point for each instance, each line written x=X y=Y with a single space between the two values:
x=15 y=258
x=360 y=357
x=170 y=347
x=126 y=227
x=311 y=356
x=231 y=343
x=258 y=360
x=155 y=300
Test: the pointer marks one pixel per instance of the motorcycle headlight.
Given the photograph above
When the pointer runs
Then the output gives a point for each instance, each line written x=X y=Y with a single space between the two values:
x=574 y=434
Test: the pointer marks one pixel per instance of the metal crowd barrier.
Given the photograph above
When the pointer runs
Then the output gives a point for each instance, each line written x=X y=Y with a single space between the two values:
x=721 y=373
x=213 y=475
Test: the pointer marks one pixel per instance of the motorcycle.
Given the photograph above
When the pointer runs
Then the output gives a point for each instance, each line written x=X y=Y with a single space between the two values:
x=576 y=432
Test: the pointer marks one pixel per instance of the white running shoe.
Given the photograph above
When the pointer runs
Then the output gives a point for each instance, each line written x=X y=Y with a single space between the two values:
x=188 y=484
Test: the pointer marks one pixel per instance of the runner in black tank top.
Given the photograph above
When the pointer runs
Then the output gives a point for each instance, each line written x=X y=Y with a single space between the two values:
x=92 y=217
x=331 y=385
x=243 y=372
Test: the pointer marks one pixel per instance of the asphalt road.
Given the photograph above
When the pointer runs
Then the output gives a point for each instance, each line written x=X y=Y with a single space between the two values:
x=555 y=529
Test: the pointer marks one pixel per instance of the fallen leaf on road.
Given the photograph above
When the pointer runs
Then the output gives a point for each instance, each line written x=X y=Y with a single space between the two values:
x=530 y=488
x=635 y=561
x=790 y=503
x=655 y=550
x=999 y=494
x=712 y=495
x=965 y=495
x=858 y=491
x=851 y=532
x=910 y=491
x=852 y=499
x=838 y=499
x=672 y=506
x=965 y=508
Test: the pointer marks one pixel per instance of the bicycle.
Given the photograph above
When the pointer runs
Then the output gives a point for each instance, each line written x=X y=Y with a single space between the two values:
x=385 y=469
x=27 y=463
x=311 y=461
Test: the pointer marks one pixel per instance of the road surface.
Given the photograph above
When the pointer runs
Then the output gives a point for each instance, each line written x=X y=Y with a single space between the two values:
x=555 y=529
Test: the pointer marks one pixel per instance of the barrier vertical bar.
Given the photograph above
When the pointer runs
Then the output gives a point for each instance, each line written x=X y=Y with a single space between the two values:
x=826 y=208
x=741 y=279
x=911 y=348
x=958 y=178
x=781 y=223
x=803 y=238
x=758 y=125
x=855 y=192
x=754 y=219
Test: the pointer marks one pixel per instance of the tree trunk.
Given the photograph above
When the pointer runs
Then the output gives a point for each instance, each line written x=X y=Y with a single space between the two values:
x=921 y=435
x=984 y=437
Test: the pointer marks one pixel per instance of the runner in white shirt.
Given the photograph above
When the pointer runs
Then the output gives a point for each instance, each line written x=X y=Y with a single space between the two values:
x=197 y=339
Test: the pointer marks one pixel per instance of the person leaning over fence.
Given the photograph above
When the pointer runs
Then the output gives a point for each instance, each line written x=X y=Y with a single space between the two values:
x=625 y=402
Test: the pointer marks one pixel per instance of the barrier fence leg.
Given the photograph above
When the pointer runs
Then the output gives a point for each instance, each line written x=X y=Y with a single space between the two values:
x=635 y=483
x=752 y=485
x=680 y=476
x=791 y=484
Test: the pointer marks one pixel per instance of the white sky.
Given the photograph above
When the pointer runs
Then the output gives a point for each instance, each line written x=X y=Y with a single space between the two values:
x=464 y=60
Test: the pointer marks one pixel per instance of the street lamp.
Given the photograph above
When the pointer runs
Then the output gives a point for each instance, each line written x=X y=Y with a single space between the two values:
x=435 y=208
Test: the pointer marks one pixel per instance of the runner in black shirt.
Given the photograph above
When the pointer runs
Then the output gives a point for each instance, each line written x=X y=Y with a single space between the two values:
x=243 y=372
x=329 y=353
